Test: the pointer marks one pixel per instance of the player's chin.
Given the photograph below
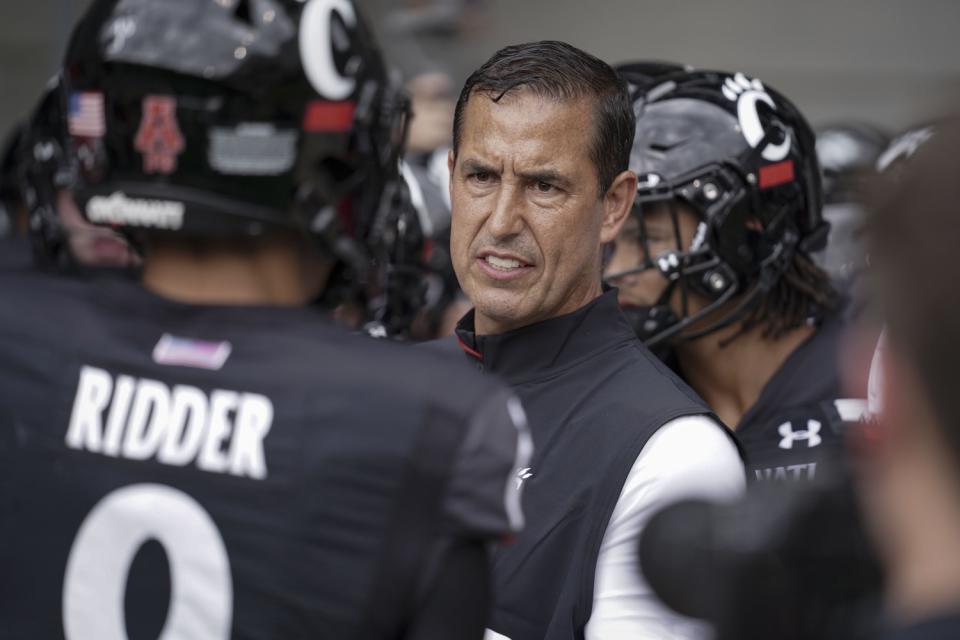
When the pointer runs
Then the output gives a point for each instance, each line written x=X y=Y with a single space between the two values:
x=634 y=299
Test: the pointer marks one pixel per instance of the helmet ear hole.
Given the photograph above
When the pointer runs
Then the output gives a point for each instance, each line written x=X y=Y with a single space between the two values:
x=338 y=170
x=716 y=281
x=777 y=131
x=242 y=12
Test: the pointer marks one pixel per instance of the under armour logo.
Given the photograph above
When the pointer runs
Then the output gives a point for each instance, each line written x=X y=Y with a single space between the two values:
x=522 y=475
x=811 y=434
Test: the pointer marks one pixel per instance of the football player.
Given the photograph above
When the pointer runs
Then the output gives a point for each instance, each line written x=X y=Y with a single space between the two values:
x=715 y=268
x=201 y=454
x=847 y=154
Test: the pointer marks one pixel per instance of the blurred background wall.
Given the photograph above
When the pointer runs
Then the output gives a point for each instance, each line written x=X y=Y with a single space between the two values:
x=889 y=62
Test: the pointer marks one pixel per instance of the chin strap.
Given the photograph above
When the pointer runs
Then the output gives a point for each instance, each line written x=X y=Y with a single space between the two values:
x=676 y=328
x=663 y=316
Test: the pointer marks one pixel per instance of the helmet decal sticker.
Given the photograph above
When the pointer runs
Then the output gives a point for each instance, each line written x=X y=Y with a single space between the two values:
x=85 y=115
x=747 y=93
x=648 y=181
x=328 y=117
x=700 y=237
x=121 y=30
x=317 y=39
x=118 y=209
x=773 y=175
x=159 y=138
x=252 y=149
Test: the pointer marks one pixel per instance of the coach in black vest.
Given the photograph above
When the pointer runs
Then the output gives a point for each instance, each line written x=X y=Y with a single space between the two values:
x=539 y=184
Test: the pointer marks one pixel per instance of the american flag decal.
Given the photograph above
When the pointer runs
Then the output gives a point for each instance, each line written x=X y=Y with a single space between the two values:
x=188 y=352
x=85 y=117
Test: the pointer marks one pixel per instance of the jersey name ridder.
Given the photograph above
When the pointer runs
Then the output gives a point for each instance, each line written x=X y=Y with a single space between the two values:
x=140 y=419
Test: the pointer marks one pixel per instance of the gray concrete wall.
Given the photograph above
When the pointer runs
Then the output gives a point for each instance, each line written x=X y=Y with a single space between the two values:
x=891 y=62
x=33 y=34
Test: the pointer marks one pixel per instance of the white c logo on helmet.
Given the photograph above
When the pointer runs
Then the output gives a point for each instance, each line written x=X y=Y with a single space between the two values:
x=316 y=47
x=747 y=93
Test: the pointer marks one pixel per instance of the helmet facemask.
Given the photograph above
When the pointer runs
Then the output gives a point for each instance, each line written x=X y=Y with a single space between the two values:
x=739 y=157
x=716 y=263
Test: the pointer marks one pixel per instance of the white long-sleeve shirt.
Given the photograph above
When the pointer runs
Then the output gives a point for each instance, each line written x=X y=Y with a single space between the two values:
x=686 y=458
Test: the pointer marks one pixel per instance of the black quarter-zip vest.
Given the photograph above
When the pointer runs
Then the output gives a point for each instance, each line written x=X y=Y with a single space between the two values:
x=594 y=395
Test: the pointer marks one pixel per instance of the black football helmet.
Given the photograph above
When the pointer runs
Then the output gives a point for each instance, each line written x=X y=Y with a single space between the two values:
x=45 y=171
x=847 y=153
x=397 y=293
x=642 y=74
x=233 y=117
x=743 y=158
x=419 y=281
x=61 y=239
x=897 y=154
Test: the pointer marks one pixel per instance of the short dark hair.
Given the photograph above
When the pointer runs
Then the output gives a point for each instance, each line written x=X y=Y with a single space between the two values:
x=912 y=233
x=560 y=71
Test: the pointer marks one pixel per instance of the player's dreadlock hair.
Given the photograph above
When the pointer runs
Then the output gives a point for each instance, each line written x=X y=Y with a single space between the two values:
x=804 y=291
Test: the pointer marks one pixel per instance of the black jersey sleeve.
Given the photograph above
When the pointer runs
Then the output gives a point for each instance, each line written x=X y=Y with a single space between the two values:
x=456 y=601
x=484 y=491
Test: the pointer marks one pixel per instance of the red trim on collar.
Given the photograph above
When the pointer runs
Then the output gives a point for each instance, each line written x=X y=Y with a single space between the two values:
x=473 y=352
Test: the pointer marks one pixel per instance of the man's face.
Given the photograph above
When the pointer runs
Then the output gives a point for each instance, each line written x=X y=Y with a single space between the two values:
x=528 y=221
x=645 y=288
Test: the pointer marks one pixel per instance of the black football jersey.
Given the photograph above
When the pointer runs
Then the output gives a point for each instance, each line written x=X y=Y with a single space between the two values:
x=224 y=472
x=795 y=431
x=14 y=253
x=941 y=627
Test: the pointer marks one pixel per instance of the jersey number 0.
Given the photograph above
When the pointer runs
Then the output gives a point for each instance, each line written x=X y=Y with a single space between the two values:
x=108 y=540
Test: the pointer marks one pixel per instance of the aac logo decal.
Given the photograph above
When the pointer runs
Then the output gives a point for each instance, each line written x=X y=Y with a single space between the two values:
x=317 y=39
x=159 y=138
x=747 y=94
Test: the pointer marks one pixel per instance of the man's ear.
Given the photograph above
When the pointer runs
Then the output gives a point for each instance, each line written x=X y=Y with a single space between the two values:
x=451 y=163
x=617 y=203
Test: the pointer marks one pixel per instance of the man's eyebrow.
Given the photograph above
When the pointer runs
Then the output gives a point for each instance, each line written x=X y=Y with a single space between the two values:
x=546 y=175
x=477 y=166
